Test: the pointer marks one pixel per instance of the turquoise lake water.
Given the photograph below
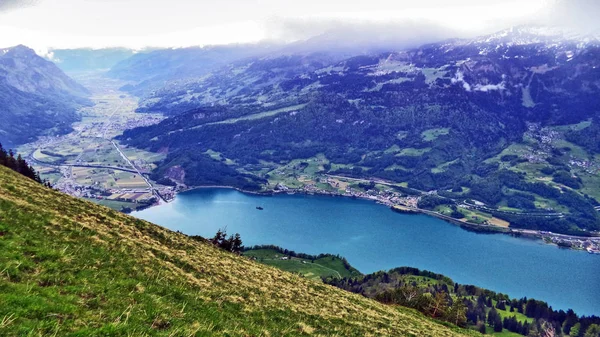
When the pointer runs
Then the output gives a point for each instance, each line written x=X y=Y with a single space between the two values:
x=373 y=238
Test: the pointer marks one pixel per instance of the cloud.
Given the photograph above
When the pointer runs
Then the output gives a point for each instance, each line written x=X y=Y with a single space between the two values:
x=356 y=34
x=581 y=15
x=9 y=5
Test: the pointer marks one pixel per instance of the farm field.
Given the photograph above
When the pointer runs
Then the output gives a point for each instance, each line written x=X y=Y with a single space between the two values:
x=86 y=162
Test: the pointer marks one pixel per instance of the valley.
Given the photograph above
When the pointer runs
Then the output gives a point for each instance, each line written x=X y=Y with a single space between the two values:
x=89 y=163
x=315 y=168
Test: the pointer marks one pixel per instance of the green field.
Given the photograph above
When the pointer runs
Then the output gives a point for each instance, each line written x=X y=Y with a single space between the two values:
x=260 y=115
x=316 y=269
x=413 y=152
x=433 y=134
x=114 y=204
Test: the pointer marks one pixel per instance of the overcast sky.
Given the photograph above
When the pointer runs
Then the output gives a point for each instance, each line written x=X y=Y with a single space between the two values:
x=175 y=23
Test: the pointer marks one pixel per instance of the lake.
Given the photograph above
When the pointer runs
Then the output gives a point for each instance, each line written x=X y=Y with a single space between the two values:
x=373 y=238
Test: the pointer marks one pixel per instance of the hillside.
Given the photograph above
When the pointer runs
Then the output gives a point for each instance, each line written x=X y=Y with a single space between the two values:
x=152 y=69
x=70 y=267
x=483 y=309
x=36 y=97
x=488 y=119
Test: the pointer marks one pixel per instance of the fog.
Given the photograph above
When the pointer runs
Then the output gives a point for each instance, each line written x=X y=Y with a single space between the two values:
x=179 y=23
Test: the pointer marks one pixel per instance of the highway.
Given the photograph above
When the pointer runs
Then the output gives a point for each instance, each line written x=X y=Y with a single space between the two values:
x=152 y=189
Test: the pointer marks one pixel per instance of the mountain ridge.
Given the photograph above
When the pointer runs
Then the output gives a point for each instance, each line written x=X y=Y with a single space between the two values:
x=462 y=105
x=36 y=97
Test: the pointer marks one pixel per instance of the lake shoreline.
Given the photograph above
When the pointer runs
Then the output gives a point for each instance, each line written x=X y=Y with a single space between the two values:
x=373 y=238
x=472 y=227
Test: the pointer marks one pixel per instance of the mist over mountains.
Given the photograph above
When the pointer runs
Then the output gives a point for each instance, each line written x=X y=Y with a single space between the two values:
x=438 y=117
x=443 y=116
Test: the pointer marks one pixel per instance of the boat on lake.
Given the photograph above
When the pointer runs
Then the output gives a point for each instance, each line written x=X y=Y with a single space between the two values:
x=259 y=208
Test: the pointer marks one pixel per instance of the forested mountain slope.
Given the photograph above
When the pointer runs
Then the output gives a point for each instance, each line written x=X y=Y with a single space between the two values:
x=489 y=117
x=36 y=97
x=71 y=267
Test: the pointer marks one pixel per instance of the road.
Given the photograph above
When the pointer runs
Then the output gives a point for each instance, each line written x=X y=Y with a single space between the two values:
x=41 y=163
x=104 y=128
x=152 y=189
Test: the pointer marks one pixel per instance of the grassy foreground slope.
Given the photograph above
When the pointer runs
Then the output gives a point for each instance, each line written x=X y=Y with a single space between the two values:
x=70 y=267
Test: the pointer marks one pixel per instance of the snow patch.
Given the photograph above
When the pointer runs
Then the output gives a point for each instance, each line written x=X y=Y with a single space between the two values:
x=460 y=77
x=490 y=87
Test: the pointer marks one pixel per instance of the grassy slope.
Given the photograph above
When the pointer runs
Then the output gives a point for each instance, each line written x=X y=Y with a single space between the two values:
x=70 y=267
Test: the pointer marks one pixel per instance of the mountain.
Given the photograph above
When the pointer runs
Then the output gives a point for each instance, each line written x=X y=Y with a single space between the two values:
x=490 y=116
x=152 y=69
x=36 y=97
x=87 y=59
x=71 y=267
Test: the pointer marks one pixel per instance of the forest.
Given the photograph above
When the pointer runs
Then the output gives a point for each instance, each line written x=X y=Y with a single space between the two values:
x=18 y=164
x=466 y=305
x=414 y=124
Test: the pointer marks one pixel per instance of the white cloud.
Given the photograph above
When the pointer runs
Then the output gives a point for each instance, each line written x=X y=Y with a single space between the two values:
x=8 y=5
x=175 y=23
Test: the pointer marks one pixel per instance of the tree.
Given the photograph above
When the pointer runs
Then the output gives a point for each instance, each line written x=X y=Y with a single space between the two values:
x=236 y=245
x=548 y=329
x=570 y=320
x=593 y=331
x=438 y=304
x=457 y=313
x=575 y=329
x=492 y=314
x=533 y=330
x=219 y=237
x=482 y=328
x=19 y=165
x=498 y=324
x=232 y=244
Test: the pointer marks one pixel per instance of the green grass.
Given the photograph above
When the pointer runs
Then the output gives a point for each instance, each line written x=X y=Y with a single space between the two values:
x=442 y=167
x=443 y=209
x=513 y=149
x=573 y=127
x=114 y=204
x=506 y=313
x=526 y=98
x=576 y=150
x=475 y=216
x=329 y=266
x=393 y=149
x=504 y=333
x=591 y=184
x=413 y=152
x=433 y=134
x=260 y=115
x=73 y=268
